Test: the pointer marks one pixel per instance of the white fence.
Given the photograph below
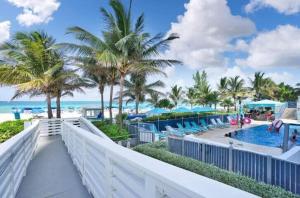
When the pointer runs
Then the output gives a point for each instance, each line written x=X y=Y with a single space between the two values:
x=15 y=155
x=109 y=170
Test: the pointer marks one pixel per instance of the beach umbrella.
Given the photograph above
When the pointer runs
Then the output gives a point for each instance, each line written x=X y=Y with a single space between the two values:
x=202 y=109
x=181 y=110
x=157 y=111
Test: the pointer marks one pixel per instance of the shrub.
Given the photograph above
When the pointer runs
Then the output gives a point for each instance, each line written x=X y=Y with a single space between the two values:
x=158 y=151
x=113 y=131
x=10 y=128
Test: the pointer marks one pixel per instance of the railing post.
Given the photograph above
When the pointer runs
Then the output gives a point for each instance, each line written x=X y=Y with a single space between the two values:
x=269 y=169
x=203 y=152
x=230 y=157
x=182 y=147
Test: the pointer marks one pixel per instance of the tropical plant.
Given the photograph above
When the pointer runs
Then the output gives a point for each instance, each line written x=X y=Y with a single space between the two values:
x=153 y=99
x=262 y=87
x=176 y=94
x=213 y=98
x=235 y=88
x=285 y=93
x=227 y=103
x=190 y=97
x=136 y=89
x=222 y=86
x=297 y=89
x=202 y=88
x=30 y=62
x=165 y=103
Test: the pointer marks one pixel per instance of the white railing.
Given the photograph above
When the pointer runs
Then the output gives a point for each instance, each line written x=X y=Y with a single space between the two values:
x=110 y=170
x=15 y=155
x=87 y=125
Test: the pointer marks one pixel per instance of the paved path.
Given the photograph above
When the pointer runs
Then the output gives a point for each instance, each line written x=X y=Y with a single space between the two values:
x=51 y=174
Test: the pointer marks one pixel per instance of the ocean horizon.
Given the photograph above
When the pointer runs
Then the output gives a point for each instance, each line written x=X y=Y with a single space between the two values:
x=9 y=106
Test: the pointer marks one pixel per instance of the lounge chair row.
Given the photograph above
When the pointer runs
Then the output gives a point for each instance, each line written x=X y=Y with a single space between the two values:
x=194 y=128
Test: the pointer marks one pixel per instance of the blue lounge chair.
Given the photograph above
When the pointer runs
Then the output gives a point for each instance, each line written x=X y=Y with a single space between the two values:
x=204 y=124
x=219 y=121
x=180 y=127
x=215 y=124
x=203 y=128
x=176 y=132
x=189 y=126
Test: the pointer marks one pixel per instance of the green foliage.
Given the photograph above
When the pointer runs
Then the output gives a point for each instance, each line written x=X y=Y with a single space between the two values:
x=158 y=151
x=113 y=131
x=167 y=116
x=10 y=128
x=165 y=103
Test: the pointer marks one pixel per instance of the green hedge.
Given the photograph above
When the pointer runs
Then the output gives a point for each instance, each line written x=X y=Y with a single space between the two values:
x=158 y=151
x=113 y=131
x=10 y=128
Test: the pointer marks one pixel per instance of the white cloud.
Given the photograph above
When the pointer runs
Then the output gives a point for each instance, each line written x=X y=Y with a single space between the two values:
x=276 y=48
x=283 y=77
x=35 y=11
x=205 y=31
x=287 y=7
x=4 y=31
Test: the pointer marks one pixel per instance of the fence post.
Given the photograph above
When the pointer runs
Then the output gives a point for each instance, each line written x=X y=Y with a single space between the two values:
x=182 y=147
x=203 y=152
x=269 y=169
x=230 y=158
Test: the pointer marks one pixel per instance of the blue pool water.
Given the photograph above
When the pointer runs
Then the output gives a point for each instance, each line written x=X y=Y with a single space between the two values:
x=261 y=136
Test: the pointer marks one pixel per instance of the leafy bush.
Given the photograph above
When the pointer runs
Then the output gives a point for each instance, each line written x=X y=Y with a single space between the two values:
x=113 y=131
x=10 y=128
x=158 y=151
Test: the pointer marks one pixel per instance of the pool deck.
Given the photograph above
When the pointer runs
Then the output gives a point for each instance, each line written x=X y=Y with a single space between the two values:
x=218 y=135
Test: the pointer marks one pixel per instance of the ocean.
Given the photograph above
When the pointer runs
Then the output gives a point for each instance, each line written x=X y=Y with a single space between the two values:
x=8 y=106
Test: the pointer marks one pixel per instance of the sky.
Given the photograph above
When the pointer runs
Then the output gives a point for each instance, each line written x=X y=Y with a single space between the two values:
x=222 y=37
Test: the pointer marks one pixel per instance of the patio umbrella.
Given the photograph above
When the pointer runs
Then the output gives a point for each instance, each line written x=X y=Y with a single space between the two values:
x=202 y=109
x=181 y=110
x=156 y=111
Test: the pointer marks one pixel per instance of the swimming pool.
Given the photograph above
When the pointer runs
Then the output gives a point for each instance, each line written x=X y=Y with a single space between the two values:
x=261 y=136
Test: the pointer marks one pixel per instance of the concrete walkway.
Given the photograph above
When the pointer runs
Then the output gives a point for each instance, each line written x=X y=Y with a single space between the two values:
x=51 y=174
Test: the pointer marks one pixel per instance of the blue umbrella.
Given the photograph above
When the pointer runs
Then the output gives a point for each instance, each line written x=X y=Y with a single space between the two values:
x=156 y=111
x=181 y=110
x=202 y=109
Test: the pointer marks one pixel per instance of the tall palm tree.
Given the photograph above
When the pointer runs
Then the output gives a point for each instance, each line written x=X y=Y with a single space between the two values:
x=30 y=62
x=227 y=103
x=176 y=94
x=66 y=82
x=124 y=46
x=201 y=87
x=213 y=98
x=235 y=88
x=222 y=86
x=190 y=97
x=285 y=93
x=132 y=48
x=137 y=88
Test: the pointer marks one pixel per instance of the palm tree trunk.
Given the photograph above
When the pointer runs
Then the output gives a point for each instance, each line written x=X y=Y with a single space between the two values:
x=110 y=101
x=58 y=108
x=101 y=90
x=137 y=102
x=122 y=78
x=50 y=114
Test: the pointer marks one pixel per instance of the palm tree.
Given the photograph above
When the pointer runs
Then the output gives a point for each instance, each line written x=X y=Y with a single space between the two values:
x=67 y=81
x=176 y=94
x=297 y=89
x=133 y=49
x=235 y=88
x=125 y=47
x=213 y=98
x=30 y=62
x=137 y=88
x=285 y=93
x=154 y=99
x=190 y=97
x=227 y=103
x=201 y=87
x=222 y=86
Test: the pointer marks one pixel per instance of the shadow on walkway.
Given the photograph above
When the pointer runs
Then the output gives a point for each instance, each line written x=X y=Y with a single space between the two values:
x=51 y=173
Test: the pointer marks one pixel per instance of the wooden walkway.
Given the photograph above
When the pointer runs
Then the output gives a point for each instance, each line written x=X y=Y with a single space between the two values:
x=51 y=173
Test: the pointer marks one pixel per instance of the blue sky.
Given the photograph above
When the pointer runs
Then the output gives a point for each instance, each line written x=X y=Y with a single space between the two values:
x=224 y=37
